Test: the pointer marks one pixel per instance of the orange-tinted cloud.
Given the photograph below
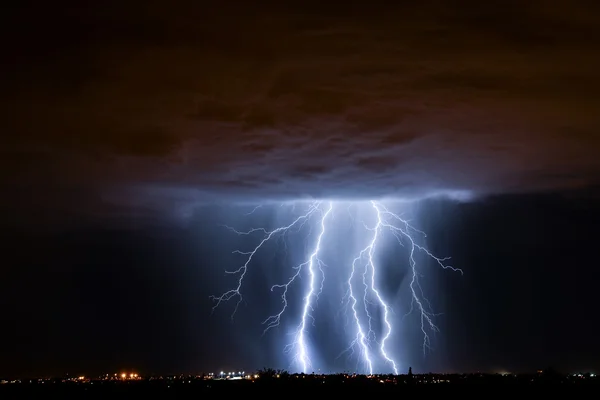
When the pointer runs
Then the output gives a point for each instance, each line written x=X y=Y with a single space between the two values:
x=239 y=102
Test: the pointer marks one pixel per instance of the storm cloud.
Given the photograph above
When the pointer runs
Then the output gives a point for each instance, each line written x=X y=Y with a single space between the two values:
x=144 y=105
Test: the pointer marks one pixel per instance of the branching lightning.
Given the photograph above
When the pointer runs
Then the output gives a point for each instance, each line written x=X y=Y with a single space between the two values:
x=241 y=271
x=364 y=298
x=300 y=342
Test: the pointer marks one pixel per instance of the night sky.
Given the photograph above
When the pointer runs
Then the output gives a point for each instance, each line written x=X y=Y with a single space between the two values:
x=134 y=130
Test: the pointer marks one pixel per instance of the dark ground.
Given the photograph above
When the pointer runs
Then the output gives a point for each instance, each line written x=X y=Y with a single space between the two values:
x=194 y=386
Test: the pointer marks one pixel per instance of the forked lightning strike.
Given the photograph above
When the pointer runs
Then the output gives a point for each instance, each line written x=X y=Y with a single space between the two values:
x=362 y=283
x=233 y=293
x=402 y=234
x=300 y=342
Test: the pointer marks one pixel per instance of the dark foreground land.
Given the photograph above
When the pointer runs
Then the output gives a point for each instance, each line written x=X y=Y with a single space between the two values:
x=193 y=386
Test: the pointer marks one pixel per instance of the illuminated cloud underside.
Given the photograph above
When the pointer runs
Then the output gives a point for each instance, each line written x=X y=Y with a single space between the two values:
x=389 y=101
x=363 y=294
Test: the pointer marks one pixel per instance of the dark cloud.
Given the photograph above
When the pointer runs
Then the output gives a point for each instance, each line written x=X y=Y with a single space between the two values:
x=241 y=101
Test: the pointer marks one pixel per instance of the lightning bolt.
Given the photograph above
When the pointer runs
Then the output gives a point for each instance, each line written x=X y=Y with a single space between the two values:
x=361 y=338
x=404 y=232
x=362 y=279
x=373 y=287
x=300 y=336
x=267 y=236
x=312 y=294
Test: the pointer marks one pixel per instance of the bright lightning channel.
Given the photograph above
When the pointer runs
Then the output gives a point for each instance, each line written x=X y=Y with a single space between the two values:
x=365 y=337
x=241 y=271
